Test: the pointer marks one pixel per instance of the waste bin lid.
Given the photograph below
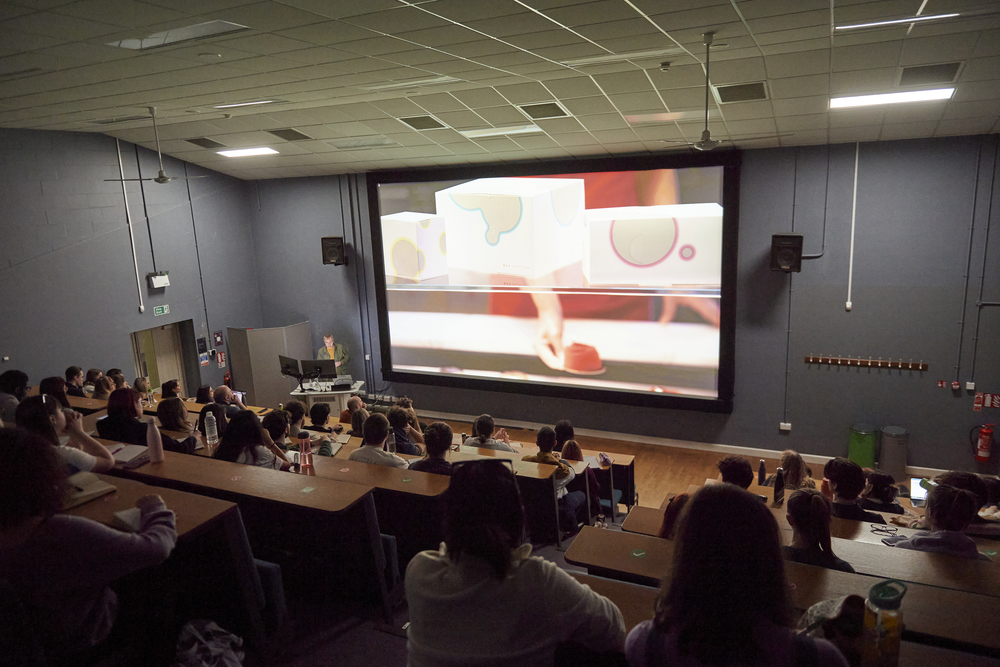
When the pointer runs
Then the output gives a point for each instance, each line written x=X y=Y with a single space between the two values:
x=894 y=430
x=863 y=428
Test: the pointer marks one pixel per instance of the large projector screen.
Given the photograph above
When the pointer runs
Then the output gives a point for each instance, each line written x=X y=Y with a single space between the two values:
x=608 y=280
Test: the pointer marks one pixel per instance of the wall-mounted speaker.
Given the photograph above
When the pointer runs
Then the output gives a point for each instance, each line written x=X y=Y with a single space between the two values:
x=786 y=252
x=333 y=250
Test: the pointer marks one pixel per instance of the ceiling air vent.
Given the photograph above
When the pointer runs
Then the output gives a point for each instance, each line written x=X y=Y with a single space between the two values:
x=119 y=119
x=925 y=75
x=544 y=110
x=361 y=143
x=205 y=142
x=423 y=122
x=741 y=92
x=289 y=134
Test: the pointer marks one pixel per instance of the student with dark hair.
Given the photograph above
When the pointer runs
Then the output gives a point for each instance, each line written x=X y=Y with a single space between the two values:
x=880 y=493
x=13 y=389
x=483 y=436
x=74 y=382
x=204 y=394
x=93 y=375
x=247 y=442
x=296 y=418
x=114 y=371
x=217 y=411
x=319 y=415
x=60 y=565
x=103 y=387
x=949 y=512
x=55 y=387
x=564 y=433
x=437 y=440
x=483 y=599
x=173 y=416
x=399 y=421
x=44 y=417
x=847 y=482
x=571 y=452
x=118 y=379
x=726 y=602
x=829 y=472
x=808 y=514
x=968 y=481
x=358 y=423
x=736 y=470
x=123 y=424
x=171 y=389
x=572 y=504
x=672 y=515
x=414 y=428
x=376 y=430
x=992 y=489
x=276 y=425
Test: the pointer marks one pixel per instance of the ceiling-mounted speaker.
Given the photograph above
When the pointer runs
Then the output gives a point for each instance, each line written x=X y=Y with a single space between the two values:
x=333 y=250
x=786 y=252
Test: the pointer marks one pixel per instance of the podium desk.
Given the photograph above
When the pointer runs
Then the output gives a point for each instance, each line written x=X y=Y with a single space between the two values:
x=202 y=524
x=337 y=398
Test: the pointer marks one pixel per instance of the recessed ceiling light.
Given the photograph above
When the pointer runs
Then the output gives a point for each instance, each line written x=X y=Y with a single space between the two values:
x=210 y=56
x=178 y=35
x=360 y=143
x=411 y=83
x=247 y=152
x=912 y=19
x=891 y=98
x=621 y=57
x=243 y=104
x=500 y=131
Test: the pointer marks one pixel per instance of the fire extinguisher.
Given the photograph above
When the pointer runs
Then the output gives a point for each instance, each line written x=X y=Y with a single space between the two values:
x=228 y=380
x=982 y=437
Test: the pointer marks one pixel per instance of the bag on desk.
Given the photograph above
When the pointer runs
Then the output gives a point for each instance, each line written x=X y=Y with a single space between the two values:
x=839 y=620
x=203 y=643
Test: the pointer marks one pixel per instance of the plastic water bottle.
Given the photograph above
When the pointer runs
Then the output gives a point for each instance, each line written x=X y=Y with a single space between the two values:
x=779 y=487
x=761 y=473
x=883 y=625
x=211 y=430
x=391 y=442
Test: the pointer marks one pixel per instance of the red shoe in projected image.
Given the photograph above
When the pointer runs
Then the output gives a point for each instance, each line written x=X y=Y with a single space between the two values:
x=583 y=360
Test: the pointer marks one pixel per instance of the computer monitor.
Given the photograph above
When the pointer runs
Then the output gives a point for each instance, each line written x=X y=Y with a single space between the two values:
x=322 y=368
x=289 y=366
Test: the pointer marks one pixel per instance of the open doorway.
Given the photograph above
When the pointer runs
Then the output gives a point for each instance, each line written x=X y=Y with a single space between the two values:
x=164 y=353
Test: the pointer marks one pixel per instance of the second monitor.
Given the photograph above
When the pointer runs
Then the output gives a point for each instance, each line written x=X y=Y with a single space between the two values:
x=319 y=368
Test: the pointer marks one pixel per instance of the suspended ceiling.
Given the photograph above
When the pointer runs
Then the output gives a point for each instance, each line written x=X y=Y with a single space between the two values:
x=320 y=60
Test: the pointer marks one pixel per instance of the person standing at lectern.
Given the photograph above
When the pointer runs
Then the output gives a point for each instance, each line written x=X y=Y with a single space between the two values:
x=332 y=350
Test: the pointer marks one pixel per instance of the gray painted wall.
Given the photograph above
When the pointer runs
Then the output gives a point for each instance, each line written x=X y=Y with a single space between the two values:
x=67 y=283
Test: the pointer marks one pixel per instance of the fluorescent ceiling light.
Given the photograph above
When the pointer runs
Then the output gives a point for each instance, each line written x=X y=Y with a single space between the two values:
x=891 y=98
x=178 y=35
x=246 y=152
x=912 y=19
x=621 y=57
x=243 y=104
x=500 y=131
x=412 y=83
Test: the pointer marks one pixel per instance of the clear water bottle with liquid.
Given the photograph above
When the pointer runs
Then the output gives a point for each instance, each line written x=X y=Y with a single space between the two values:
x=211 y=430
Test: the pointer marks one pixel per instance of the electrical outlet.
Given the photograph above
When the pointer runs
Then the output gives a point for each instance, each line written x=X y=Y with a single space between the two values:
x=970 y=386
x=368 y=357
x=785 y=427
x=6 y=358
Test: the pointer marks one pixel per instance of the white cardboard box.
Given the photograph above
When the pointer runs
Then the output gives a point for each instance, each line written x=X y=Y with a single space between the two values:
x=525 y=227
x=414 y=247
x=651 y=246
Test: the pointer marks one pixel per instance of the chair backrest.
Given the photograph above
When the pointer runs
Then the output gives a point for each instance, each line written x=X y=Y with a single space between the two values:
x=20 y=645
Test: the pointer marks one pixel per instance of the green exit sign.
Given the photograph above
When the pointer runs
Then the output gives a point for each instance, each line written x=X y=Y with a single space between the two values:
x=160 y=310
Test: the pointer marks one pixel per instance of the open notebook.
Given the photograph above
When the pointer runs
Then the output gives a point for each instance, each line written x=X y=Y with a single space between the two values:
x=84 y=486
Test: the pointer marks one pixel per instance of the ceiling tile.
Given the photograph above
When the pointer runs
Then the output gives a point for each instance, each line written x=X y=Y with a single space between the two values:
x=798 y=64
x=625 y=82
x=840 y=135
x=964 y=126
x=505 y=115
x=606 y=121
x=863 y=81
x=816 y=121
x=847 y=58
x=584 y=106
x=800 y=86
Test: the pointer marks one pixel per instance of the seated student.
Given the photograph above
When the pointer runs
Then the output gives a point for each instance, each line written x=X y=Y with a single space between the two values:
x=55 y=387
x=247 y=442
x=358 y=423
x=482 y=599
x=204 y=394
x=74 y=382
x=354 y=403
x=123 y=424
x=573 y=505
x=225 y=397
x=482 y=435
x=414 y=429
x=727 y=601
x=437 y=440
x=173 y=416
x=736 y=470
x=672 y=515
x=216 y=411
x=60 y=565
x=118 y=379
x=992 y=489
x=794 y=472
x=44 y=417
x=113 y=371
x=171 y=389
x=571 y=452
x=809 y=516
x=296 y=418
x=13 y=389
x=846 y=483
x=949 y=512
x=959 y=479
x=93 y=375
x=564 y=433
x=276 y=425
x=880 y=493
x=103 y=387
x=319 y=415
x=399 y=421
x=376 y=429
x=141 y=385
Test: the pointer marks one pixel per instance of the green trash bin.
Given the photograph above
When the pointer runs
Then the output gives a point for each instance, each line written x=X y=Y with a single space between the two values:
x=861 y=446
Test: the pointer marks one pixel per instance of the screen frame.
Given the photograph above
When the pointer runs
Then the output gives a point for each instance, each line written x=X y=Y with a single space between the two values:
x=730 y=161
